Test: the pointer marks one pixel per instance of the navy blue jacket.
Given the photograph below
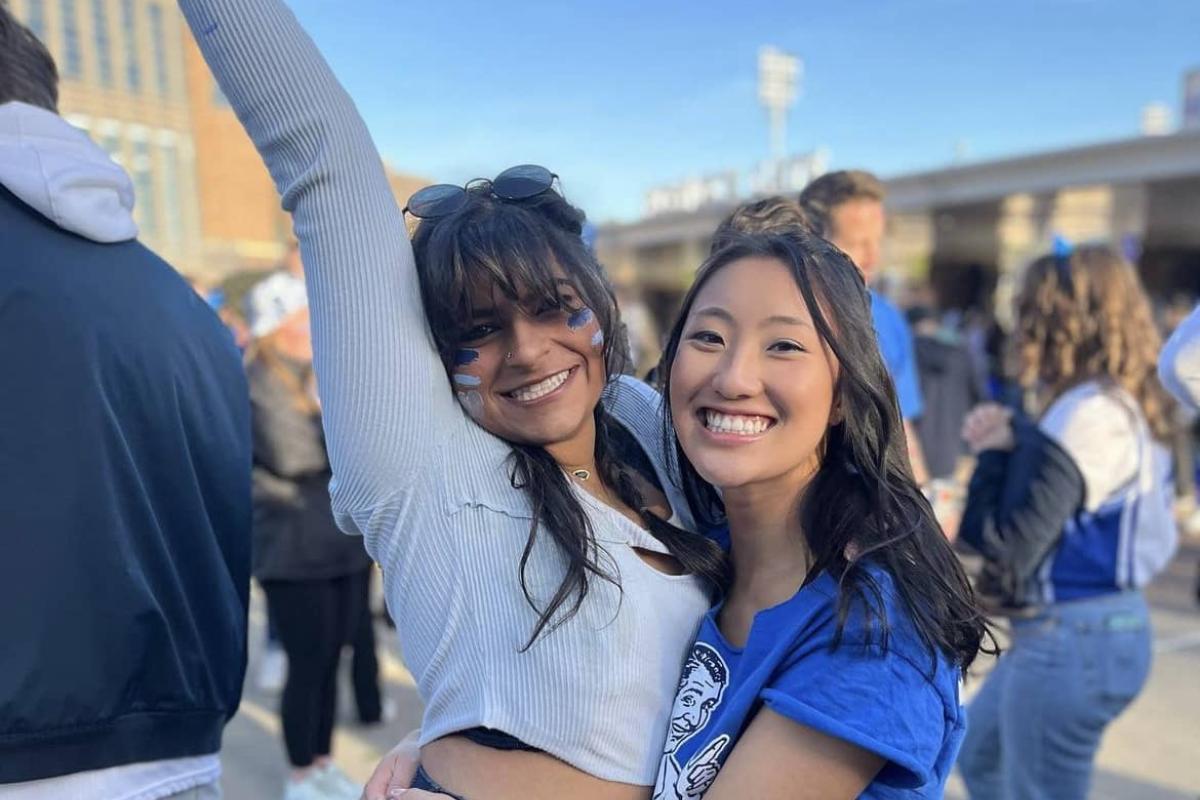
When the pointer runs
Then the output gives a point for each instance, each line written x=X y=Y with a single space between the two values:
x=1018 y=502
x=124 y=506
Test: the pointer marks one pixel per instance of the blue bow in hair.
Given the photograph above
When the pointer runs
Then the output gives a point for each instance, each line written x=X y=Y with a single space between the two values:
x=1062 y=248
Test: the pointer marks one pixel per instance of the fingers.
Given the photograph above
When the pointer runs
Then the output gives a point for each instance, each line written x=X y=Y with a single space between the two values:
x=396 y=769
x=377 y=786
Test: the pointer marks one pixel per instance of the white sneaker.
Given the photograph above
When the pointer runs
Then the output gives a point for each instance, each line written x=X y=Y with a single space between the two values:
x=272 y=670
x=308 y=789
x=337 y=784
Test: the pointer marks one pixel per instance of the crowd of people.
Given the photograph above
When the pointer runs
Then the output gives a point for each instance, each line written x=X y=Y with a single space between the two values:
x=740 y=577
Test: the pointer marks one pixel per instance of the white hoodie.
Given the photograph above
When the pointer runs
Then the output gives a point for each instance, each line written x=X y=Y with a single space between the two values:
x=55 y=168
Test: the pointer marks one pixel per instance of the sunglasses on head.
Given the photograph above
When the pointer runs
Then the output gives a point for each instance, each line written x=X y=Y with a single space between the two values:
x=515 y=183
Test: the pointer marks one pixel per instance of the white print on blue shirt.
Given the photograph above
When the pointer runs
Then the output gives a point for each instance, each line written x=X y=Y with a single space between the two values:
x=701 y=687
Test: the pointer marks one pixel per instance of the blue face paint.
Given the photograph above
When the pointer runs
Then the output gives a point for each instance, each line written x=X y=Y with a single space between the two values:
x=465 y=356
x=598 y=339
x=462 y=379
x=580 y=318
x=472 y=402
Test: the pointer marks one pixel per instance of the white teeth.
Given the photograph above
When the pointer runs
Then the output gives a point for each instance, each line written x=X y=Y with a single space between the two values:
x=735 y=423
x=527 y=393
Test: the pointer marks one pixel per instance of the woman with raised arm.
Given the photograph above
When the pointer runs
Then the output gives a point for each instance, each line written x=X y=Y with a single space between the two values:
x=514 y=491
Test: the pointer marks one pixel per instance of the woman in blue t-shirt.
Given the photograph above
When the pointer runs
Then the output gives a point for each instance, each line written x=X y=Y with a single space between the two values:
x=831 y=667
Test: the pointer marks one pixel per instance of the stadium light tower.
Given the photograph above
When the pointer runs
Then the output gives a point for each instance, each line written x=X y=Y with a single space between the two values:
x=778 y=74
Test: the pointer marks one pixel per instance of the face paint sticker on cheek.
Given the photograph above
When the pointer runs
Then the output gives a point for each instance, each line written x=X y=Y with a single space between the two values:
x=580 y=318
x=463 y=377
x=473 y=403
x=583 y=319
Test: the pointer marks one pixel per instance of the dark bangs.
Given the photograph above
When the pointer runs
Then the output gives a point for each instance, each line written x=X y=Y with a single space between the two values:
x=512 y=248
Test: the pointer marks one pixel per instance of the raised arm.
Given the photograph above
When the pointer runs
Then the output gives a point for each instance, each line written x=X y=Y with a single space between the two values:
x=385 y=398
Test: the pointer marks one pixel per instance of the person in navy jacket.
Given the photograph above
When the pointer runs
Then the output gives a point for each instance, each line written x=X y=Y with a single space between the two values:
x=124 y=477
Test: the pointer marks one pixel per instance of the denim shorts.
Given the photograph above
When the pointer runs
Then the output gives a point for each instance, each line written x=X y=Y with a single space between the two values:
x=422 y=781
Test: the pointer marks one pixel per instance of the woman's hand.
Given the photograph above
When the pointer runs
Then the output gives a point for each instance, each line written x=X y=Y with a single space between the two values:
x=988 y=427
x=395 y=771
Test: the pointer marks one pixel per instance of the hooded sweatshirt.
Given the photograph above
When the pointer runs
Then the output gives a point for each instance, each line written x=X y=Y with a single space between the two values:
x=124 y=488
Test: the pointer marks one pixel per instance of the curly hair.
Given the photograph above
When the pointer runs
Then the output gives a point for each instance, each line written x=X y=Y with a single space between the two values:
x=774 y=214
x=1085 y=316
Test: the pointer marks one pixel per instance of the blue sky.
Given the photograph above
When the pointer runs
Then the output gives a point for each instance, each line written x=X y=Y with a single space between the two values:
x=622 y=95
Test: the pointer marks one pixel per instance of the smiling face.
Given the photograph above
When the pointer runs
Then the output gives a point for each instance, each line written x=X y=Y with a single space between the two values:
x=530 y=371
x=752 y=384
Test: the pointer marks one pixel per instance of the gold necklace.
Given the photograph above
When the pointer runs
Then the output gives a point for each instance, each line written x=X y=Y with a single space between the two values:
x=580 y=472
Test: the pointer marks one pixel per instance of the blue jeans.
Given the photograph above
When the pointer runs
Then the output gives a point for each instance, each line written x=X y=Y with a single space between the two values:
x=1034 y=728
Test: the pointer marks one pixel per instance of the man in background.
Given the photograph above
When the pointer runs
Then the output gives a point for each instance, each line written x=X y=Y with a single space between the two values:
x=124 y=478
x=846 y=207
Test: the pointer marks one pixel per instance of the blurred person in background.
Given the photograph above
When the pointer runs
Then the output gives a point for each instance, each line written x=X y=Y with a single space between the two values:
x=950 y=388
x=315 y=578
x=1183 y=442
x=125 y=497
x=846 y=207
x=271 y=673
x=1072 y=515
x=1179 y=371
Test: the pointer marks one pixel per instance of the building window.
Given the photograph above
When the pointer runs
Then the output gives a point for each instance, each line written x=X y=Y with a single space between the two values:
x=172 y=197
x=158 y=41
x=72 y=61
x=100 y=36
x=145 y=199
x=133 y=67
x=110 y=141
x=35 y=13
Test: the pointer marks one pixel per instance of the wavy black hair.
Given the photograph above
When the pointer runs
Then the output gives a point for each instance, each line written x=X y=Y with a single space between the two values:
x=862 y=505
x=513 y=247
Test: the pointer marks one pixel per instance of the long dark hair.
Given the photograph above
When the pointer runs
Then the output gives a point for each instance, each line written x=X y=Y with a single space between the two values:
x=513 y=246
x=862 y=505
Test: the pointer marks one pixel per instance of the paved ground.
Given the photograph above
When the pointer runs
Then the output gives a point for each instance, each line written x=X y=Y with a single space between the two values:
x=1151 y=753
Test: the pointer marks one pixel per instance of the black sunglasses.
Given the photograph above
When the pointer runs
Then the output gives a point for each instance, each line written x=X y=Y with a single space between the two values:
x=515 y=183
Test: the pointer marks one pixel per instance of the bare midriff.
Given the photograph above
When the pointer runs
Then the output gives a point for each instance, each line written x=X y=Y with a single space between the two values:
x=484 y=773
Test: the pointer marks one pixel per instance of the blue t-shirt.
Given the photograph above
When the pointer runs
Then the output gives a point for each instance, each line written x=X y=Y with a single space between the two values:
x=896 y=702
x=896 y=347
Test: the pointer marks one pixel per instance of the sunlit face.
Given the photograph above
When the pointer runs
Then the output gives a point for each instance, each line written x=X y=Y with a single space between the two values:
x=857 y=228
x=530 y=375
x=752 y=383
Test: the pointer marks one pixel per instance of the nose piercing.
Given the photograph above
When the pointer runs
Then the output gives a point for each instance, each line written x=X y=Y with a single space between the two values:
x=508 y=356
